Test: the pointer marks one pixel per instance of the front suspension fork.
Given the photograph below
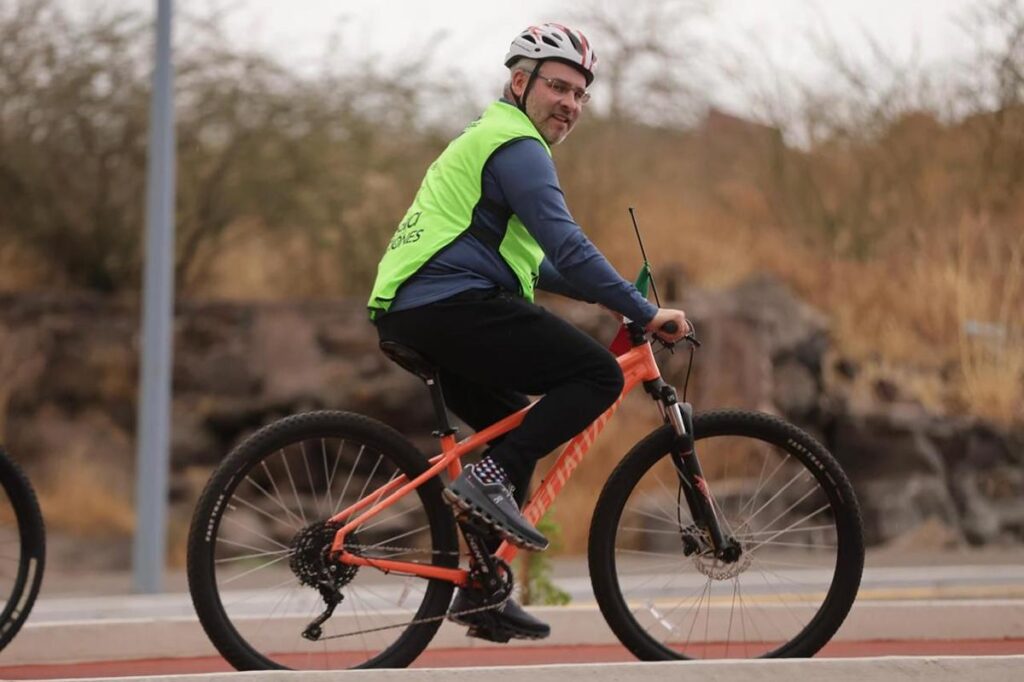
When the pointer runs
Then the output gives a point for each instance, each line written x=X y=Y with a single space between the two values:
x=691 y=476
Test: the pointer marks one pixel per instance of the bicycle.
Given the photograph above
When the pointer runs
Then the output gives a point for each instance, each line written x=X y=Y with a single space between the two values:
x=22 y=548
x=322 y=541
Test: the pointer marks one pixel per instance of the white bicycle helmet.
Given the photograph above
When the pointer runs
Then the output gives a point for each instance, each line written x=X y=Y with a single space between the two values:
x=554 y=41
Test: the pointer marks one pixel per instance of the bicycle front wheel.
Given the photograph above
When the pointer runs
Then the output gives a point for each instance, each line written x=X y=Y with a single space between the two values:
x=22 y=548
x=779 y=494
x=257 y=555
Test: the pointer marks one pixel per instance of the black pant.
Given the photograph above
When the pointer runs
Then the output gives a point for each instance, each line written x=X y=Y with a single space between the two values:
x=494 y=348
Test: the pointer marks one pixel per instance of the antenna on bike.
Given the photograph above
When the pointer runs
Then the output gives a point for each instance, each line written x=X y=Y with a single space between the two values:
x=643 y=253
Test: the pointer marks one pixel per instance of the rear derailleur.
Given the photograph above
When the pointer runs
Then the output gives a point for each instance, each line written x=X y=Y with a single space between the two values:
x=312 y=564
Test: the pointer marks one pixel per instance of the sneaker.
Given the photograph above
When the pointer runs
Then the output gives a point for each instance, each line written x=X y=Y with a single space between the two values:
x=493 y=504
x=496 y=625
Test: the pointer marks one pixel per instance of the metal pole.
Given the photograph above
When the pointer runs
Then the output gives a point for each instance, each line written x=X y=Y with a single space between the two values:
x=153 y=431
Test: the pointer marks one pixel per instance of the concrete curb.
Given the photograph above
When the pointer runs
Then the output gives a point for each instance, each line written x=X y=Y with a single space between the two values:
x=908 y=669
x=132 y=639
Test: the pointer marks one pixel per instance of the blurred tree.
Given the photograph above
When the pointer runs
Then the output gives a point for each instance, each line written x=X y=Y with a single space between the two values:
x=649 y=57
x=995 y=83
x=73 y=106
x=333 y=158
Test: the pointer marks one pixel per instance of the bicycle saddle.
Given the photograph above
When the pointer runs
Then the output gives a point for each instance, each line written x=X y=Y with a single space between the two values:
x=409 y=359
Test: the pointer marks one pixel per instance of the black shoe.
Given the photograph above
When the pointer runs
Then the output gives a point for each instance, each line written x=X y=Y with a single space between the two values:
x=496 y=625
x=493 y=504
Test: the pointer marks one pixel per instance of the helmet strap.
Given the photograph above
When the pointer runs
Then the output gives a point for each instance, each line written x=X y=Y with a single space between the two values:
x=521 y=101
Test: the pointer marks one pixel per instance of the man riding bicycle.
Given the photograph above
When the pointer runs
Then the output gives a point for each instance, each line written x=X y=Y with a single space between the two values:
x=488 y=226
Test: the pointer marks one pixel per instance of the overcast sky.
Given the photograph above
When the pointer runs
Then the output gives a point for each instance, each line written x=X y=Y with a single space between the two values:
x=475 y=34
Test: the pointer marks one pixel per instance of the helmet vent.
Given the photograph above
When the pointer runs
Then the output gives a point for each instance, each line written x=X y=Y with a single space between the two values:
x=575 y=42
x=550 y=42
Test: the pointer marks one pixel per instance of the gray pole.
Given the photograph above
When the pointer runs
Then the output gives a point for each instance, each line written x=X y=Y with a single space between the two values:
x=153 y=422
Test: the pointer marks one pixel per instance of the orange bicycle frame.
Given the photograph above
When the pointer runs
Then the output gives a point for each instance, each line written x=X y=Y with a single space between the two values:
x=638 y=365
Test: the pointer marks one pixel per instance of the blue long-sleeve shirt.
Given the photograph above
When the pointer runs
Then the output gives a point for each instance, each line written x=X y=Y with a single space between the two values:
x=520 y=178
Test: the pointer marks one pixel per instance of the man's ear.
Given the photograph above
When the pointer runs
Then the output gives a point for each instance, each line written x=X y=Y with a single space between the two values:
x=519 y=79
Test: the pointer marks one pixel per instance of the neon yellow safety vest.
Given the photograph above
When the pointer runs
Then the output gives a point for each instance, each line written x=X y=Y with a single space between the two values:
x=443 y=208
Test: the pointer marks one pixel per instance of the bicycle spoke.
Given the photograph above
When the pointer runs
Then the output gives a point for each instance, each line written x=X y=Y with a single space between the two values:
x=355 y=467
x=754 y=534
x=246 y=557
x=233 y=521
x=295 y=492
x=275 y=498
x=792 y=525
x=253 y=570
x=309 y=477
x=328 y=476
x=258 y=510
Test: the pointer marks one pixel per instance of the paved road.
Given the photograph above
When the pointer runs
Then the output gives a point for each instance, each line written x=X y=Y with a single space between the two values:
x=977 y=588
x=497 y=656
x=998 y=578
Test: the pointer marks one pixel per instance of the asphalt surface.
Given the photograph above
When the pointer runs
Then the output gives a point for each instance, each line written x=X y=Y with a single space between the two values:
x=979 y=579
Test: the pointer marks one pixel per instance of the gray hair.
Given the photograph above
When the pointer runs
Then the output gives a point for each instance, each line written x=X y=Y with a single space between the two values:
x=524 y=64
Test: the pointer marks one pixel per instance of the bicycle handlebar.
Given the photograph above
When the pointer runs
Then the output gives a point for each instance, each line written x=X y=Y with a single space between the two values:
x=672 y=328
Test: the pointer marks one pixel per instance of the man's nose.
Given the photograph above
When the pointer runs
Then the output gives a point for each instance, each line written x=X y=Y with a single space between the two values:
x=569 y=101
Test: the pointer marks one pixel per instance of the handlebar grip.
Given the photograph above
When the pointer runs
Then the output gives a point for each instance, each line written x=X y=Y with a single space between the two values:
x=670 y=327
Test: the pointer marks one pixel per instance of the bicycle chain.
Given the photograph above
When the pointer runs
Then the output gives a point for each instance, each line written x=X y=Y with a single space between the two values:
x=418 y=621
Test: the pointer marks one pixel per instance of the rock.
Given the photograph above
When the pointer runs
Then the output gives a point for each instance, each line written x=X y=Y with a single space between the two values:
x=191 y=440
x=284 y=349
x=53 y=436
x=789 y=325
x=796 y=390
x=888 y=445
x=225 y=370
x=931 y=534
x=886 y=390
x=240 y=366
x=892 y=507
x=846 y=368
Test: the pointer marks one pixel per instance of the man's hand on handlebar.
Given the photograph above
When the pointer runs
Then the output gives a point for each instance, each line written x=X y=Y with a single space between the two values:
x=669 y=325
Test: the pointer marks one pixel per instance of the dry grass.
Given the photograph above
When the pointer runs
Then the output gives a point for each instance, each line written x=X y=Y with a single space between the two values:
x=942 y=320
x=248 y=263
x=989 y=287
x=78 y=495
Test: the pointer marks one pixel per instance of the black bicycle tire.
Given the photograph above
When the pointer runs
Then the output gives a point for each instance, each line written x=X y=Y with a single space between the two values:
x=850 y=556
x=32 y=545
x=202 y=583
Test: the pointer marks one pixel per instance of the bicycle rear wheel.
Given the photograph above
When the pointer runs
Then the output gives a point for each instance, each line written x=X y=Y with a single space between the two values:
x=22 y=548
x=786 y=501
x=258 y=542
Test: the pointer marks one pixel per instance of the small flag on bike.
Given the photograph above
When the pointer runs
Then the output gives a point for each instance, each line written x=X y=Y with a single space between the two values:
x=621 y=343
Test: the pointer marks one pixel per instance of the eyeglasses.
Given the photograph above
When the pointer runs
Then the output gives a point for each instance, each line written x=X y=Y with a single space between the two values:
x=562 y=88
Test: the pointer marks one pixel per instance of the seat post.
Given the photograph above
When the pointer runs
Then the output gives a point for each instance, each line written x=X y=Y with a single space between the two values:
x=409 y=359
x=444 y=427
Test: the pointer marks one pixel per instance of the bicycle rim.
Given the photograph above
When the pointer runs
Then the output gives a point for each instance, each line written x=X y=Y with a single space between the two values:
x=259 y=539
x=782 y=497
